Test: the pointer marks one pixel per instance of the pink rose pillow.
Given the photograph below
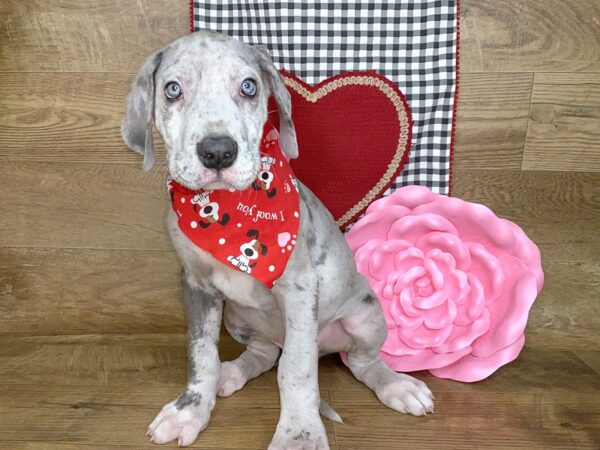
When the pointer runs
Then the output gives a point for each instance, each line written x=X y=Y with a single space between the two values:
x=455 y=281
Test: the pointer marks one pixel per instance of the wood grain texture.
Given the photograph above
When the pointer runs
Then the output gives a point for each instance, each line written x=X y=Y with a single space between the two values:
x=565 y=315
x=65 y=117
x=493 y=113
x=563 y=128
x=560 y=211
x=591 y=358
x=114 y=415
x=464 y=421
x=103 y=390
x=535 y=371
x=86 y=35
x=470 y=56
x=83 y=206
x=160 y=359
x=118 y=206
x=534 y=36
x=87 y=291
x=129 y=359
x=68 y=291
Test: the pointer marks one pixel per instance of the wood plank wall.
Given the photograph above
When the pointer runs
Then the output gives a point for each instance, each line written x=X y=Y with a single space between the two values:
x=83 y=246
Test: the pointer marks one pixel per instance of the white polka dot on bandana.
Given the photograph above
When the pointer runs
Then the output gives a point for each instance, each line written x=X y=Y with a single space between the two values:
x=296 y=214
x=222 y=241
x=271 y=268
x=239 y=225
x=194 y=224
x=182 y=199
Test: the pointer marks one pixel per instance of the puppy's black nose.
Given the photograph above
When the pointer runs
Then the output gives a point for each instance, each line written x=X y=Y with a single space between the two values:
x=217 y=152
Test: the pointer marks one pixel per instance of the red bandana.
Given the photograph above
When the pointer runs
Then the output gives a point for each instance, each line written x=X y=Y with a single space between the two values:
x=253 y=231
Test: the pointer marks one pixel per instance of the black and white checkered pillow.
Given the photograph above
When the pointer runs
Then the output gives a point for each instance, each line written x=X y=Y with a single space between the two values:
x=412 y=42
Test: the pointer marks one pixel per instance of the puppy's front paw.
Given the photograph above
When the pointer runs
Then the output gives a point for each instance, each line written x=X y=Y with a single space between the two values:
x=407 y=395
x=300 y=436
x=179 y=420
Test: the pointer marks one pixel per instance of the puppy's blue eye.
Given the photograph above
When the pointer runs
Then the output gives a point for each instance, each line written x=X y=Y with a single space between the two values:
x=173 y=90
x=248 y=87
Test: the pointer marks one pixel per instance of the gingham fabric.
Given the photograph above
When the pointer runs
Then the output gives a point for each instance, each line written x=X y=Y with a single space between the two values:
x=412 y=42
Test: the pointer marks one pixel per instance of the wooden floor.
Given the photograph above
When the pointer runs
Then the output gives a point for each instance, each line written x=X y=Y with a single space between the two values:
x=91 y=342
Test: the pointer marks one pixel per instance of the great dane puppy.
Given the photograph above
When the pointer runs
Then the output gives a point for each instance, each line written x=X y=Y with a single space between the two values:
x=193 y=89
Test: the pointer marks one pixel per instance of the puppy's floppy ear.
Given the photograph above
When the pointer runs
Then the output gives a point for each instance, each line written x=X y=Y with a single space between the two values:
x=136 y=127
x=287 y=132
x=263 y=249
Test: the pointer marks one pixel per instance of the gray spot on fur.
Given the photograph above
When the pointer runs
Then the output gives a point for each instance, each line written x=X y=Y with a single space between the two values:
x=299 y=287
x=368 y=299
x=188 y=398
x=245 y=338
x=315 y=311
x=321 y=259
x=311 y=239
x=302 y=436
x=241 y=335
x=197 y=379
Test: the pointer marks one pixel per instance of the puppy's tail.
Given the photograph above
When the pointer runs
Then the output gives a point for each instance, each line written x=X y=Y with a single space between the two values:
x=329 y=412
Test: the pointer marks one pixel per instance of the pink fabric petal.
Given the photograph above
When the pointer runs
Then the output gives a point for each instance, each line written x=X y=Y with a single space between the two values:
x=446 y=243
x=382 y=256
x=389 y=319
x=441 y=317
x=472 y=368
x=525 y=250
x=424 y=337
x=407 y=322
x=394 y=346
x=411 y=228
x=457 y=286
x=445 y=262
x=423 y=360
x=374 y=226
x=411 y=197
x=463 y=336
x=432 y=301
x=486 y=267
x=408 y=277
x=455 y=282
x=437 y=277
x=474 y=222
x=408 y=258
x=476 y=304
x=509 y=312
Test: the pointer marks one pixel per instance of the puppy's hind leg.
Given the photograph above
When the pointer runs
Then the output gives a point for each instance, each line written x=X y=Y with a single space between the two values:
x=259 y=356
x=401 y=392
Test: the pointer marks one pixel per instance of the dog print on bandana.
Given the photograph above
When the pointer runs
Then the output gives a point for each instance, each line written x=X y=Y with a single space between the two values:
x=253 y=231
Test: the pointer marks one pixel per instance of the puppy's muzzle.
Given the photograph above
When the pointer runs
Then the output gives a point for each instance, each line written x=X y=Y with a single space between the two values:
x=217 y=152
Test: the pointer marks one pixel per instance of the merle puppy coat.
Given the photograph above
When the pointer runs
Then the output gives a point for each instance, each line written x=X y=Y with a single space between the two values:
x=207 y=95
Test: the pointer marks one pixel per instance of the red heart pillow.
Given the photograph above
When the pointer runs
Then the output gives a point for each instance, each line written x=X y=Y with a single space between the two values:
x=354 y=136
